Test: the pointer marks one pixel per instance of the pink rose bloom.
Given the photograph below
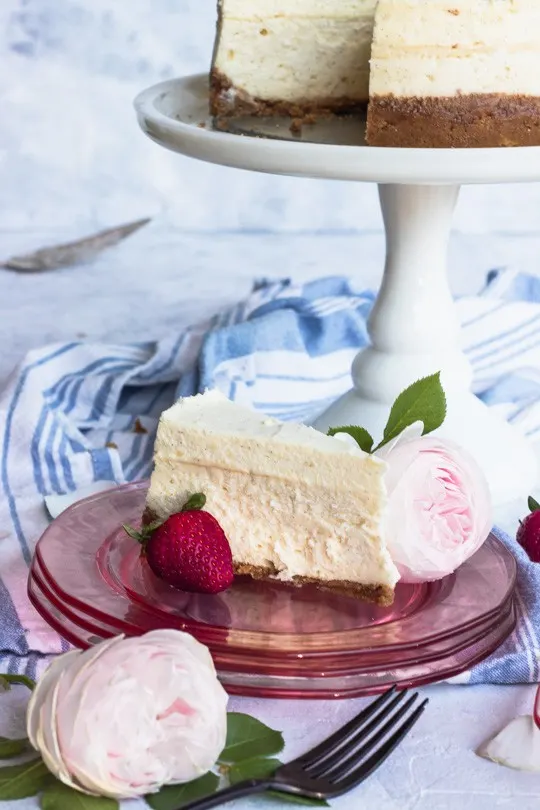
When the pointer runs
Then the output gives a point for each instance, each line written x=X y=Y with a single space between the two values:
x=127 y=716
x=439 y=510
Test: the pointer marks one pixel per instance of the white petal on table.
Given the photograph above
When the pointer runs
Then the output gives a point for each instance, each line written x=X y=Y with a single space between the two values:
x=516 y=746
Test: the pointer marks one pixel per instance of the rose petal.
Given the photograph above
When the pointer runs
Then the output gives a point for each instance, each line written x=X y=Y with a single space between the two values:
x=516 y=746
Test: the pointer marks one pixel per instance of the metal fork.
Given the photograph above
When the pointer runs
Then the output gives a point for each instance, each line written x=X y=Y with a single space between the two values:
x=341 y=762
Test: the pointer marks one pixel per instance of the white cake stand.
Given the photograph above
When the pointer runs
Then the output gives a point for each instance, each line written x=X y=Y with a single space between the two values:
x=414 y=329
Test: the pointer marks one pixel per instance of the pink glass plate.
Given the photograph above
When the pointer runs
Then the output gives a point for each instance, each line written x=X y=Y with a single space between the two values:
x=92 y=574
x=335 y=663
x=247 y=681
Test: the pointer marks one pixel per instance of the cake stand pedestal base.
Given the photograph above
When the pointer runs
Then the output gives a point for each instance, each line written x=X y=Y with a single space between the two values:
x=414 y=332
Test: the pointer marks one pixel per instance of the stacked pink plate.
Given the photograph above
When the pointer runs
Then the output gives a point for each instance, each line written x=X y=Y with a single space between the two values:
x=89 y=582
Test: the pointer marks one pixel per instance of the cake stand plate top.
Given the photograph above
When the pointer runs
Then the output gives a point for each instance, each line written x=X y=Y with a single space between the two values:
x=175 y=114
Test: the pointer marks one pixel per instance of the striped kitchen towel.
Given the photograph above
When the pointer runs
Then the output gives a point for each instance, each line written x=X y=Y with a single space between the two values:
x=79 y=413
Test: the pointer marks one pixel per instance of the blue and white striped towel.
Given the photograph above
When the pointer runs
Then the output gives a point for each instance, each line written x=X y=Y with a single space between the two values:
x=67 y=415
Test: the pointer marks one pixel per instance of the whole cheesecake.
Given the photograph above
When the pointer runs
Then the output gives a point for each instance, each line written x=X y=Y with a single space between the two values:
x=291 y=57
x=296 y=506
x=432 y=73
x=459 y=74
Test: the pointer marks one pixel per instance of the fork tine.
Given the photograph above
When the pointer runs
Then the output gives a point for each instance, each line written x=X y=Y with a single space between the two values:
x=349 y=753
x=347 y=757
x=339 y=739
x=370 y=765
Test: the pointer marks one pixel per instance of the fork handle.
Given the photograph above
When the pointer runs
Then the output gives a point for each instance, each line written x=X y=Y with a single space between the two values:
x=239 y=791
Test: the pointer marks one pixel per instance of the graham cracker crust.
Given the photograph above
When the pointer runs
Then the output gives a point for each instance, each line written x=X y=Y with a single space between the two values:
x=378 y=594
x=461 y=122
x=226 y=101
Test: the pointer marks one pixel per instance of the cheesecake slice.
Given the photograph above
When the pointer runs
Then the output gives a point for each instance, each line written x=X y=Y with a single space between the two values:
x=291 y=57
x=296 y=505
x=455 y=74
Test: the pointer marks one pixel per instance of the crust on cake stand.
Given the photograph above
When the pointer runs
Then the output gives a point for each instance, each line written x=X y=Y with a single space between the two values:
x=413 y=328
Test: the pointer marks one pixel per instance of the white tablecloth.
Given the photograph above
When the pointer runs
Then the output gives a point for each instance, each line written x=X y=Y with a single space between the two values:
x=160 y=282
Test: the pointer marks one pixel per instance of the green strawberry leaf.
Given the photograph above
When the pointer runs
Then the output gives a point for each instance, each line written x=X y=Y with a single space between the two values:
x=174 y=797
x=534 y=506
x=134 y=534
x=13 y=748
x=247 y=738
x=362 y=437
x=261 y=768
x=22 y=781
x=195 y=503
x=424 y=401
x=62 y=797
x=6 y=682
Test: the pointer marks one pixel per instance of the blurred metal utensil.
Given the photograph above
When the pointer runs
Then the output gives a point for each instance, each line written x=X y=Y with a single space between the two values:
x=72 y=253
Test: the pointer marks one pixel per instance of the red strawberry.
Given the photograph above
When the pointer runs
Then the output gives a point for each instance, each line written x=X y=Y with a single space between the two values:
x=528 y=534
x=189 y=550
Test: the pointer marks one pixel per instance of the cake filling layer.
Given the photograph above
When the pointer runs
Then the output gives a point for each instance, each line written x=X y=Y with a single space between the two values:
x=296 y=56
x=437 y=48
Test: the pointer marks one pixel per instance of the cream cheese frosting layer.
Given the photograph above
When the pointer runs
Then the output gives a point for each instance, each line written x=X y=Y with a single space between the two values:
x=289 y=499
x=445 y=49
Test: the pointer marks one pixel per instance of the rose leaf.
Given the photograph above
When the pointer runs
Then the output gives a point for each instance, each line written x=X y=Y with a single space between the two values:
x=247 y=738
x=423 y=401
x=22 y=781
x=174 y=797
x=62 y=797
x=13 y=748
x=362 y=437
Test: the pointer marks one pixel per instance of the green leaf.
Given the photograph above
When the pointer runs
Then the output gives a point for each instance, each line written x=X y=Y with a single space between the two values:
x=362 y=437
x=424 y=401
x=248 y=738
x=22 y=781
x=254 y=768
x=133 y=533
x=6 y=681
x=13 y=748
x=62 y=797
x=534 y=506
x=174 y=797
x=195 y=503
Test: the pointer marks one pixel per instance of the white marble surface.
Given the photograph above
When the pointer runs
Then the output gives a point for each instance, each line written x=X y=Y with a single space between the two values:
x=160 y=280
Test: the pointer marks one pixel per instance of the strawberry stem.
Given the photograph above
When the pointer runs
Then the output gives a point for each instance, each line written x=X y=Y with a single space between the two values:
x=195 y=503
x=142 y=536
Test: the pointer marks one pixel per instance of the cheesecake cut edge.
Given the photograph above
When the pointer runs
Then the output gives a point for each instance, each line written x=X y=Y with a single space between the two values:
x=227 y=101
